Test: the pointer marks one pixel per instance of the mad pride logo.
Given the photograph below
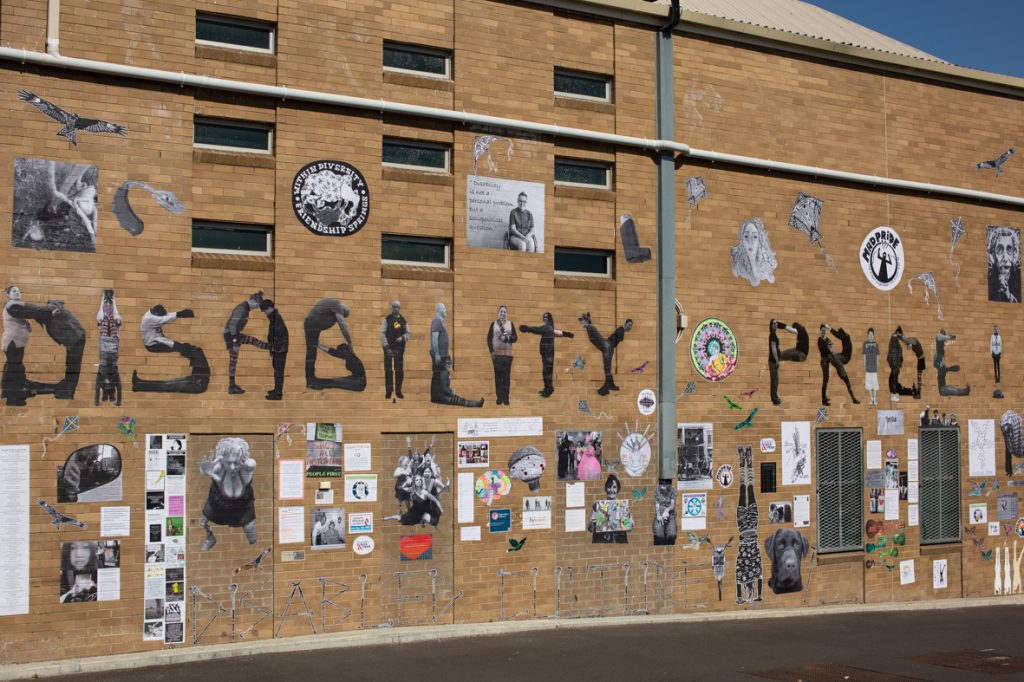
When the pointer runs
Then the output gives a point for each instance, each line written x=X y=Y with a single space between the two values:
x=881 y=258
x=331 y=198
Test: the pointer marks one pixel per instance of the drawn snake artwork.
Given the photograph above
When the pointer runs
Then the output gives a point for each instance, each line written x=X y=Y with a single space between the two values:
x=127 y=217
x=929 y=285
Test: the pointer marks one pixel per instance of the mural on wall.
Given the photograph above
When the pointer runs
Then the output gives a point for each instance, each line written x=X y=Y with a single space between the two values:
x=806 y=217
x=504 y=214
x=870 y=352
x=15 y=384
x=90 y=474
x=695 y=456
x=500 y=336
x=331 y=198
x=829 y=359
x=796 y=453
x=776 y=355
x=55 y=206
x=90 y=571
x=665 y=514
x=635 y=449
x=394 y=332
x=126 y=216
x=631 y=248
x=956 y=233
x=1013 y=438
x=579 y=455
x=482 y=146
x=786 y=548
x=930 y=285
x=714 y=349
x=996 y=164
x=610 y=519
x=72 y=121
x=941 y=340
x=752 y=255
x=231 y=501
x=155 y=341
x=1004 y=264
x=995 y=346
x=324 y=314
x=234 y=338
x=418 y=487
x=882 y=259
x=441 y=362
x=548 y=333
x=894 y=358
x=277 y=344
x=527 y=464
x=108 y=374
x=748 y=557
x=607 y=347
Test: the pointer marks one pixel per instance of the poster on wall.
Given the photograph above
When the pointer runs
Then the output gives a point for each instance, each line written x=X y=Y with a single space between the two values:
x=164 y=585
x=331 y=198
x=695 y=456
x=90 y=474
x=55 y=207
x=90 y=571
x=504 y=214
x=1003 y=246
x=15 y=504
x=714 y=349
x=981 y=447
x=796 y=453
x=882 y=259
x=323 y=450
x=890 y=422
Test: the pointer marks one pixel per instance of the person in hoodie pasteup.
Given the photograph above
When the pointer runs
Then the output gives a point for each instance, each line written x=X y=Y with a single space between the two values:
x=65 y=329
x=548 y=334
x=277 y=344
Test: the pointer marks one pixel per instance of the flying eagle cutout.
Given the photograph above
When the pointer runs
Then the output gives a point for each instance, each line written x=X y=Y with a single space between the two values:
x=72 y=121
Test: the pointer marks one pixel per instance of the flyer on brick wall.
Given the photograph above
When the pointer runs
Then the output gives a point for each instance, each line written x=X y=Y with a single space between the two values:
x=164 y=593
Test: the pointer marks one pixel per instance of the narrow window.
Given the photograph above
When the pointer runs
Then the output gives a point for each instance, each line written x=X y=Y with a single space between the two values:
x=940 y=484
x=583 y=85
x=249 y=239
x=231 y=135
x=578 y=173
x=402 y=250
x=234 y=32
x=398 y=153
x=422 y=61
x=591 y=263
x=840 y=458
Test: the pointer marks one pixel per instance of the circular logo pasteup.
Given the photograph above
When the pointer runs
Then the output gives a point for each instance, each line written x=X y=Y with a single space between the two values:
x=646 y=402
x=331 y=198
x=724 y=475
x=713 y=349
x=363 y=545
x=881 y=258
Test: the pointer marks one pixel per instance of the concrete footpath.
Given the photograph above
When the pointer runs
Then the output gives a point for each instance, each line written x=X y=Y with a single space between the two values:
x=958 y=640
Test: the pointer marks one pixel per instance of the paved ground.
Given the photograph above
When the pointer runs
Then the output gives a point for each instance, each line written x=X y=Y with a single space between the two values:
x=875 y=646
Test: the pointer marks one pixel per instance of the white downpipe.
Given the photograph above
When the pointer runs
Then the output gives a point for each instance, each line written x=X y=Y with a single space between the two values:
x=282 y=92
x=53 y=27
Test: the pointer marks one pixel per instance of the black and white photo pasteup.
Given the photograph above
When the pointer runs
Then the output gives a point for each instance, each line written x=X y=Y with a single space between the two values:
x=55 y=205
x=942 y=339
x=326 y=313
x=1003 y=264
x=441 y=391
x=234 y=337
x=752 y=255
x=776 y=355
x=831 y=359
x=607 y=348
x=231 y=501
x=155 y=341
x=548 y=333
x=73 y=123
x=108 y=375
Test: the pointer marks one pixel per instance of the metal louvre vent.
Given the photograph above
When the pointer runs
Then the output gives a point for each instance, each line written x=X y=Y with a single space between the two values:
x=840 y=490
x=940 y=484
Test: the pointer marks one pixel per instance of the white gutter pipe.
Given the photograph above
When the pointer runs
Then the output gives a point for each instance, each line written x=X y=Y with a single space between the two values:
x=183 y=79
x=53 y=27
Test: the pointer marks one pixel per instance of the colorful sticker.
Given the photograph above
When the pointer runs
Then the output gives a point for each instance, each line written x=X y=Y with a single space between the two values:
x=491 y=485
x=714 y=349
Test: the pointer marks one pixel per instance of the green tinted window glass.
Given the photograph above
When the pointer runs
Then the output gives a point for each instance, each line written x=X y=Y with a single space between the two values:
x=581 y=174
x=230 y=237
x=412 y=59
x=407 y=154
x=425 y=251
x=580 y=85
x=583 y=262
x=243 y=34
x=226 y=134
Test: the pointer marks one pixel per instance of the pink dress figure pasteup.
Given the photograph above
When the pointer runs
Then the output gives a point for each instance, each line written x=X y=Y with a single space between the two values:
x=589 y=467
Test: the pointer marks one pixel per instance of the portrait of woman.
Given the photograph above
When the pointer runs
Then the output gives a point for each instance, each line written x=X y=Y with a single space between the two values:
x=752 y=255
x=77 y=572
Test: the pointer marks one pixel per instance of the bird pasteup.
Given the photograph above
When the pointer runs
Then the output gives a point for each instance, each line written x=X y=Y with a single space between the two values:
x=72 y=121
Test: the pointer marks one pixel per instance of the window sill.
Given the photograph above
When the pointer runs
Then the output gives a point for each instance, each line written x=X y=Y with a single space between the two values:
x=441 y=84
x=584 y=105
x=226 y=54
x=950 y=548
x=588 y=283
x=422 y=273
x=423 y=177
x=227 y=261
x=587 y=193
x=854 y=557
x=233 y=158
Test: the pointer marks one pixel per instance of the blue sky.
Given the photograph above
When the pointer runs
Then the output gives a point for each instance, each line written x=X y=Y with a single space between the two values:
x=984 y=34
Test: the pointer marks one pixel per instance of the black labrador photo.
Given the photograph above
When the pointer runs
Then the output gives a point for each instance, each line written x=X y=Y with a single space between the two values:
x=786 y=548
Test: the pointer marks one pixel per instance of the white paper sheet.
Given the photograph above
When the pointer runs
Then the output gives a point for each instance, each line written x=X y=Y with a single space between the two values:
x=693 y=511
x=906 y=572
x=913 y=492
x=14 y=528
x=874 y=454
x=913 y=515
x=913 y=471
x=801 y=511
x=981 y=447
x=575 y=520
x=357 y=457
x=796 y=453
x=940 y=574
x=502 y=426
x=361 y=487
x=291 y=525
x=469 y=533
x=912 y=449
x=325 y=496
x=108 y=584
x=115 y=522
x=575 y=494
x=892 y=504
x=291 y=479
x=977 y=513
x=536 y=520
x=993 y=528
x=465 y=492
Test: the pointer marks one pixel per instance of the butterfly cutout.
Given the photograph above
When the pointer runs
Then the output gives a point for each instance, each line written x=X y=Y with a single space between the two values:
x=732 y=405
x=747 y=423
x=638 y=493
x=690 y=389
x=579 y=363
x=987 y=556
x=696 y=540
x=977 y=489
x=749 y=394
x=641 y=368
x=516 y=545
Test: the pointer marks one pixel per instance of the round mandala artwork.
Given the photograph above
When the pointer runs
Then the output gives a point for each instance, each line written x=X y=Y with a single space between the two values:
x=713 y=349
x=635 y=454
x=331 y=198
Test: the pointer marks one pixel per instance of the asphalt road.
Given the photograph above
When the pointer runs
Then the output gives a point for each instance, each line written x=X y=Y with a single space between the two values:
x=859 y=646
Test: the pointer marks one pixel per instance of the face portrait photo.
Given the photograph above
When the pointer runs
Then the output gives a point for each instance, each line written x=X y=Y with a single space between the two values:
x=1004 y=264
x=752 y=255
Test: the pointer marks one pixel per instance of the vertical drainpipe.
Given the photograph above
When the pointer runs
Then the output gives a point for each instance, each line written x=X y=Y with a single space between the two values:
x=666 y=197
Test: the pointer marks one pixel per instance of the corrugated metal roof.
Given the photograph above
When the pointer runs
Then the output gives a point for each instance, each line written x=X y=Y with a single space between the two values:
x=801 y=18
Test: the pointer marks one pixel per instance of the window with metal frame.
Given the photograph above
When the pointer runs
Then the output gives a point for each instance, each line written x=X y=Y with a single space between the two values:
x=232 y=135
x=234 y=32
x=583 y=85
x=939 y=454
x=414 y=59
x=398 y=249
x=250 y=239
x=840 y=458
x=580 y=173
x=588 y=262
x=415 y=155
